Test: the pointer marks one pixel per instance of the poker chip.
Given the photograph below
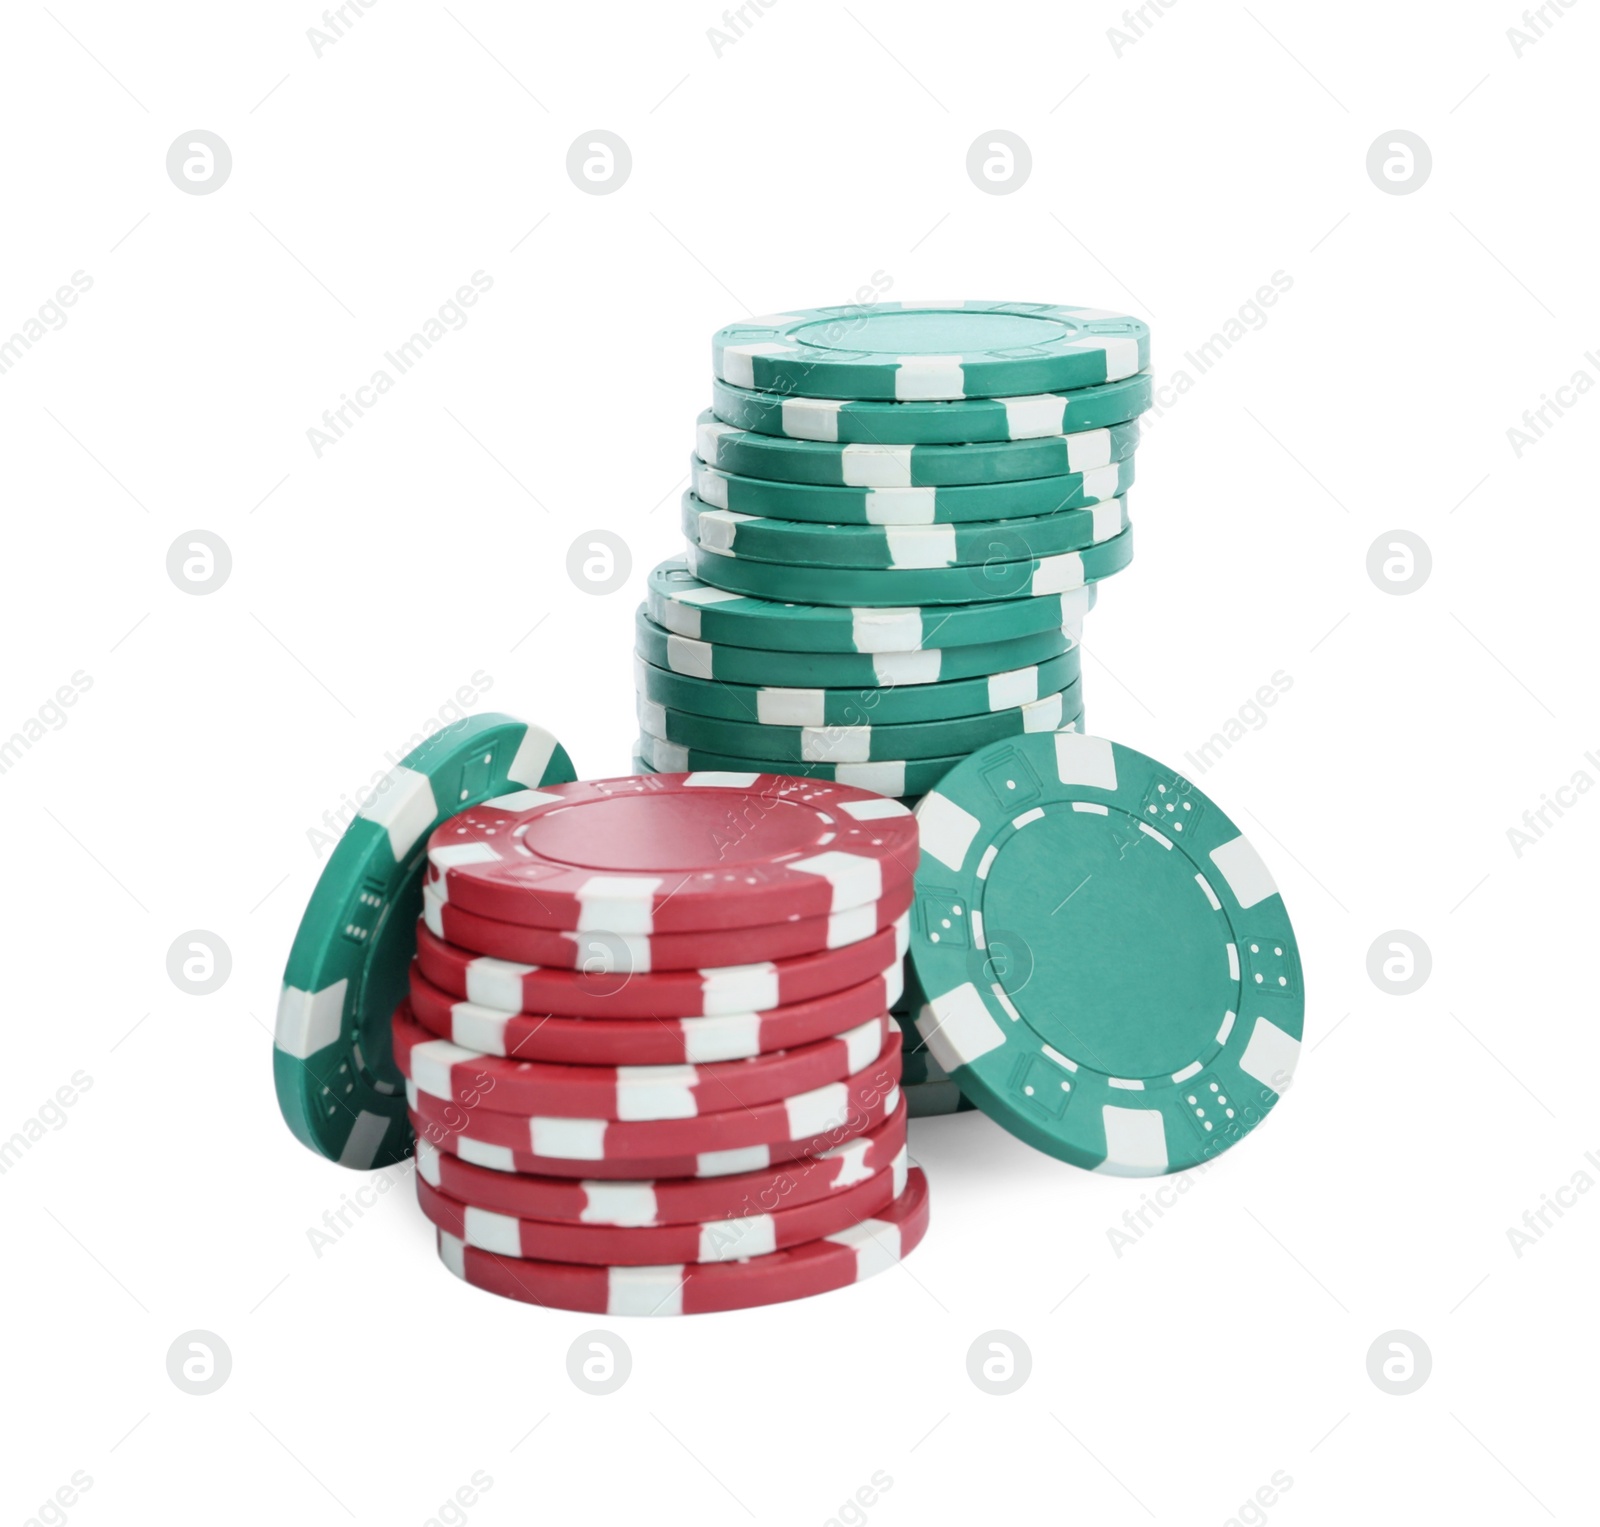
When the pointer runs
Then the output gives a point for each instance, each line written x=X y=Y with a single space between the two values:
x=686 y=606
x=856 y=744
x=665 y=1042
x=445 y=1128
x=337 y=1086
x=914 y=423
x=647 y=855
x=896 y=777
x=877 y=465
x=663 y=994
x=899 y=546
x=596 y=950
x=816 y=1267
x=855 y=705
x=803 y=1116
x=727 y=664
x=1108 y=966
x=730 y=1238
x=445 y=1070
x=930 y=351
x=678 y=1200
x=853 y=508
x=1022 y=580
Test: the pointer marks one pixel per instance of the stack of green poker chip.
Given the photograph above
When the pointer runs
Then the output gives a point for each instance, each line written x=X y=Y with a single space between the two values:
x=898 y=517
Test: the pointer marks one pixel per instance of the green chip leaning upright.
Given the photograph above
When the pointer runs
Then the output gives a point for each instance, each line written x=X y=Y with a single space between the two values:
x=338 y=1087
x=1108 y=968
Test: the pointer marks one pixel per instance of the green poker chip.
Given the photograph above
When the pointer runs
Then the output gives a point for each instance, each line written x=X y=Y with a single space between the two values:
x=1021 y=580
x=974 y=419
x=908 y=466
x=930 y=351
x=681 y=603
x=856 y=744
x=899 y=777
x=844 y=670
x=888 y=547
x=1106 y=962
x=338 y=1087
x=908 y=506
x=886 y=706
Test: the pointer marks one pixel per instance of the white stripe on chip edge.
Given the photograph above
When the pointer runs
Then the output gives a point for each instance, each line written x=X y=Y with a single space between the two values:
x=812 y=419
x=885 y=630
x=616 y=904
x=403 y=805
x=1245 y=871
x=946 y=830
x=918 y=546
x=693 y=658
x=630 y=1204
x=958 y=1027
x=855 y=878
x=1030 y=418
x=876 y=466
x=1082 y=760
x=1136 y=1142
x=874 y=810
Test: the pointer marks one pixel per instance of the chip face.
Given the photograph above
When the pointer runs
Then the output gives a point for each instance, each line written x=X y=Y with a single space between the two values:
x=930 y=351
x=338 y=1087
x=1108 y=968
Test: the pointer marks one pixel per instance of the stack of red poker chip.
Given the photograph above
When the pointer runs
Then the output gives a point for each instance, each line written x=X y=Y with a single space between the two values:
x=647 y=1043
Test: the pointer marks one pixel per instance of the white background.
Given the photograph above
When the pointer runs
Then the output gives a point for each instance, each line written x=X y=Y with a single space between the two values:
x=1231 y=1340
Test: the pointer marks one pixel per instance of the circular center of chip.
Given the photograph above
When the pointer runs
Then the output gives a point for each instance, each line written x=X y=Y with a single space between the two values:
x=933 y=331
x=688 y=830
x=1107 y=945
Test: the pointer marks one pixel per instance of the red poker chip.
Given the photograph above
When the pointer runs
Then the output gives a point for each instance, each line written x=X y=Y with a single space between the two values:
x=816 y=1267
x=675 y=1092
x=805 y=1116
x=641 y=953
x=729 y=1239
x=516 y=988
x=630 y=1042
x=669 y=1200
x=445 y=1129
x=672 y=853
